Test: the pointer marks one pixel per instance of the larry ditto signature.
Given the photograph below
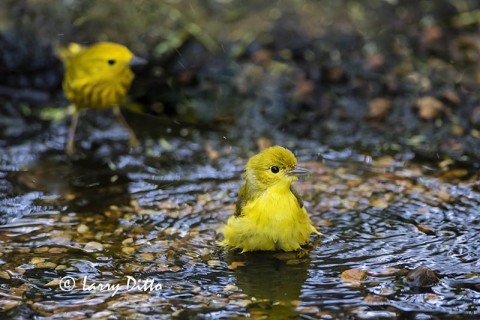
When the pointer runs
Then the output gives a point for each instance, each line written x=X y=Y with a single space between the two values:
x=70 y=283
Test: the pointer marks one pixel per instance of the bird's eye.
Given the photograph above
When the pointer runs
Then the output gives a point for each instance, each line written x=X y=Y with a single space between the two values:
x=274 y=169
x=111 y=62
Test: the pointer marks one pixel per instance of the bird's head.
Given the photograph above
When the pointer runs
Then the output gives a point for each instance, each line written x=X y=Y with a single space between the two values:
x=107 y=60
x=271 y=166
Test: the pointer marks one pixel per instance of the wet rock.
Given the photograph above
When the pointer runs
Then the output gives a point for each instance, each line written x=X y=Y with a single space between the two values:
x=422 y=277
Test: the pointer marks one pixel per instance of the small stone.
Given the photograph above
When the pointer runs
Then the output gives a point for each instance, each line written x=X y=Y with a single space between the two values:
x=214 y=263
x=422 y=277
x=241 y=303
x=37 y=260
x=307 y=309
x=82 y=229
x=127 y=241
x=128 y=250
x=147 y=256
x=93 y=246
x=46 y=265
x=230 y=288
x=174 y=268
x=5 y=275
x=41 y=250
x=56 y=250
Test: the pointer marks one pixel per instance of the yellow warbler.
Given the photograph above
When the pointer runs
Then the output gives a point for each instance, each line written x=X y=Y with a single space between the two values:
x=269 y=215
x=97 y=77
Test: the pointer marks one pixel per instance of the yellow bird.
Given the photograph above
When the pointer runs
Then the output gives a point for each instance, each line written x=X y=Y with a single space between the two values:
x=97 y=77
x=269 y=215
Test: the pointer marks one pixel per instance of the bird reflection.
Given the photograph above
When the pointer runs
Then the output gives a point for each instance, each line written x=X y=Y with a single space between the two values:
x=274 y=279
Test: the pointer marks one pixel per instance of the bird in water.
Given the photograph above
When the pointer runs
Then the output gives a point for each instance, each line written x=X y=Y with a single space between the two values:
x=97 y=77
x=269 y=213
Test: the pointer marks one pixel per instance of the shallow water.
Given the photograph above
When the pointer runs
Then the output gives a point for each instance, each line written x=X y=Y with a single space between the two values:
x=111 y=216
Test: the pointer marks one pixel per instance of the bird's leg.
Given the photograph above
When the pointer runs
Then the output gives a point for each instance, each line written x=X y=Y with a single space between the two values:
x=132 y=138
x=71 y=134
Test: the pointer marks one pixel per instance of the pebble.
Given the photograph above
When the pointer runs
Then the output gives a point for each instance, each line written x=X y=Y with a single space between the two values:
x=93 y=246
x=82 y=229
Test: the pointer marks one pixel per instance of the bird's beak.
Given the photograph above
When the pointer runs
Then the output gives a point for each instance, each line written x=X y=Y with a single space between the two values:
x=297 y=171
x=137 y=62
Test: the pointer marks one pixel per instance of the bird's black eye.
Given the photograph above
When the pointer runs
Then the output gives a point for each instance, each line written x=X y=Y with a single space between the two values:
x=274 y=169
x=111 y=62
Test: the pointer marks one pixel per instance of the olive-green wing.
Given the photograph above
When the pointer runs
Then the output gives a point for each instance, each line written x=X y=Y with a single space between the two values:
x=241 y=201
x=297 y=196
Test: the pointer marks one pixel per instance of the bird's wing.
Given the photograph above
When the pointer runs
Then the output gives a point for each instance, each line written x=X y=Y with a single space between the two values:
x=241 y=201
x=297 y=196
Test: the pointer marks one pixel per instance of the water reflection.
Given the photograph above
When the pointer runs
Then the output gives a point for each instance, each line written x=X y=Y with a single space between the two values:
x=272 y=282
